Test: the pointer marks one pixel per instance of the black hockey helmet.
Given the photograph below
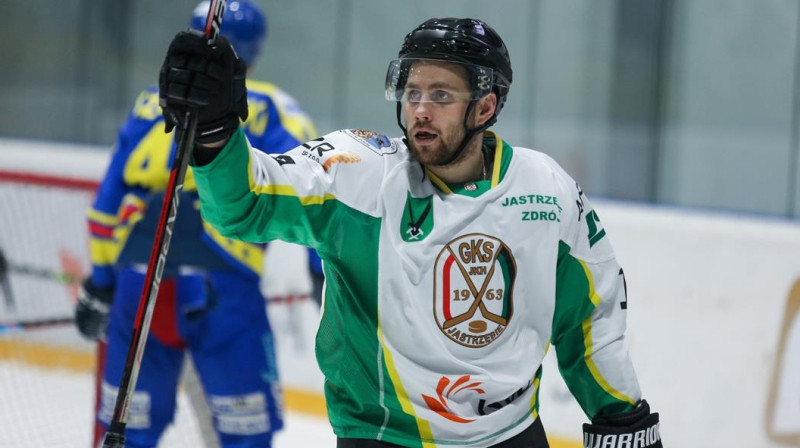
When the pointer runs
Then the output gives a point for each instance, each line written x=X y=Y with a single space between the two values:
x=471 y=42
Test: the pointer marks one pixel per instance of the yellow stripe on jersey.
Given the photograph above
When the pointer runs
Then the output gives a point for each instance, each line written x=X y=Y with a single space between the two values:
x=534 y=412
x=288 y=190
x=102 y=252
x=498 y=157
x=188 y=180
x=131 y=210
x=402 y=396
x=438 y=182
x=131 y=202
x=316 y=200
x=586 y=325
x=593 y=296
x=103 y=218
x=248 y=254
x=274 y=190
x=283 y=190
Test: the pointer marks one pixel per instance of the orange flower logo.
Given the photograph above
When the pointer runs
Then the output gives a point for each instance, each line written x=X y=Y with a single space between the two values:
x=439 y=404
x=345 y=157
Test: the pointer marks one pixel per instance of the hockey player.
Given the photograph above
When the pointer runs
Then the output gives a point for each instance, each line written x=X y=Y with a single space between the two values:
x=452 y=259
x=209 y=302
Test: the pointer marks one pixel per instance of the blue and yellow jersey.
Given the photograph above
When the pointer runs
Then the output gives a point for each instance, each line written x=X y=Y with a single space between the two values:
x=127 y=206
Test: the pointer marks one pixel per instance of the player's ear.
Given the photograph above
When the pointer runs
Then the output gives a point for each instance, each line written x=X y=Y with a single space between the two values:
x=485 y=108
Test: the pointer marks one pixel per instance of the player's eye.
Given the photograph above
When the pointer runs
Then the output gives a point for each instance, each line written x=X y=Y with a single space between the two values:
x=413 y=95
x=441 y=96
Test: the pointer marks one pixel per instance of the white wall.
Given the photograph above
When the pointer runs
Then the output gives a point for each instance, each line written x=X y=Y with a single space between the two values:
x=707 y=297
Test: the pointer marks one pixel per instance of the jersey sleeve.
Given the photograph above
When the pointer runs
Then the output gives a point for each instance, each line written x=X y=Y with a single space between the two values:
x=113 y=199
x=277 y=122
x=590 y=313
x=301 y=196
x=102 y=219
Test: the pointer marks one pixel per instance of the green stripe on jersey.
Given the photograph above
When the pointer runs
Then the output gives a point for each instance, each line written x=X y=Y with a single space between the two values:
x=572 y=313
x=360 y=396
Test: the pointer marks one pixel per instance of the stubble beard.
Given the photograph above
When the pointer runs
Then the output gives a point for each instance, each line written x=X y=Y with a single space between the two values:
x=438 y=153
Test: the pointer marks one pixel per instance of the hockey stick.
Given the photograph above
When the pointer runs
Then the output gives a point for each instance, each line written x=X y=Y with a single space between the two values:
x=6 y=268
x=14 y=327
x=115 y=438
x=5 y=283
x=42 y=273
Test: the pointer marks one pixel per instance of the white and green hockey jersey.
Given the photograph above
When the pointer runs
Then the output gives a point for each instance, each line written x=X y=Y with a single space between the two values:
x=441 y=299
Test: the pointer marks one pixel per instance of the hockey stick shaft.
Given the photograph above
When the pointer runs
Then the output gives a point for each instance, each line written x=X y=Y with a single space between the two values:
x=7 y=268
x=43 y=273
x=8 y=294
x=5 y=284
x=115 y=438
x=13 y=327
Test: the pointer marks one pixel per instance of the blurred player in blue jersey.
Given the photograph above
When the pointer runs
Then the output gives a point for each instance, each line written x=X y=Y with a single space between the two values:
x=209 y=303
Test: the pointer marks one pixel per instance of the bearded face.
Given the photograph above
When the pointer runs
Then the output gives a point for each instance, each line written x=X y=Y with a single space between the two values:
x=435 y=100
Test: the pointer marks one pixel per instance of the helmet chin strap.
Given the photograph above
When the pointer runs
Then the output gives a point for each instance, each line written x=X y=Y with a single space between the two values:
x=468 y=135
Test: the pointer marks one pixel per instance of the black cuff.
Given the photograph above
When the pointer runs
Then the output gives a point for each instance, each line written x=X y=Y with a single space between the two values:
x=104 y=295
x=202 y=155
x=216 y=130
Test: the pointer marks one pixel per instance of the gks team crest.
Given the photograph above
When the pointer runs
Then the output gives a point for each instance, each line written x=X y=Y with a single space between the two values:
x=473 y=284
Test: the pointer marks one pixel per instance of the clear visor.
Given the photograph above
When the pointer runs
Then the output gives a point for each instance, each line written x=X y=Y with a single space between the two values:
x=407 y=80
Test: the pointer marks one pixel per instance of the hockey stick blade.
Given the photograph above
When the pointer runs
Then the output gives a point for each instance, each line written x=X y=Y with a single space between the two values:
x=115 y=437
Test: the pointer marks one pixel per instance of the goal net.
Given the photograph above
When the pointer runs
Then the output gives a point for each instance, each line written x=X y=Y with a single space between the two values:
x=47 y=388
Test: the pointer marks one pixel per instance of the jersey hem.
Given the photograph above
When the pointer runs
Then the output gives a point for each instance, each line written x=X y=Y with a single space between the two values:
x=415 y=442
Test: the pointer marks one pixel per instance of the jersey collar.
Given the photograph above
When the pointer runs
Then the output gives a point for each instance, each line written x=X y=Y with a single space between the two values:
x=502 y=157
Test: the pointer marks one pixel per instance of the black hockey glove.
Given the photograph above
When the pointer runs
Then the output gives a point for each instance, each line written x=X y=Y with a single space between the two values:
x=636 y=428
x=91 y=313
x=210 y=80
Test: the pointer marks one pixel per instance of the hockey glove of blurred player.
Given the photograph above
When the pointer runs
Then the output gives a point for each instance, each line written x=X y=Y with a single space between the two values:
x=91 y=313
x=636 y=428
x=210 y=80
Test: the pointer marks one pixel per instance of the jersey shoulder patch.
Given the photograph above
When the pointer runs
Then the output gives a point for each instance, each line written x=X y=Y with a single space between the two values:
x=376 y=142
x=327 y=151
